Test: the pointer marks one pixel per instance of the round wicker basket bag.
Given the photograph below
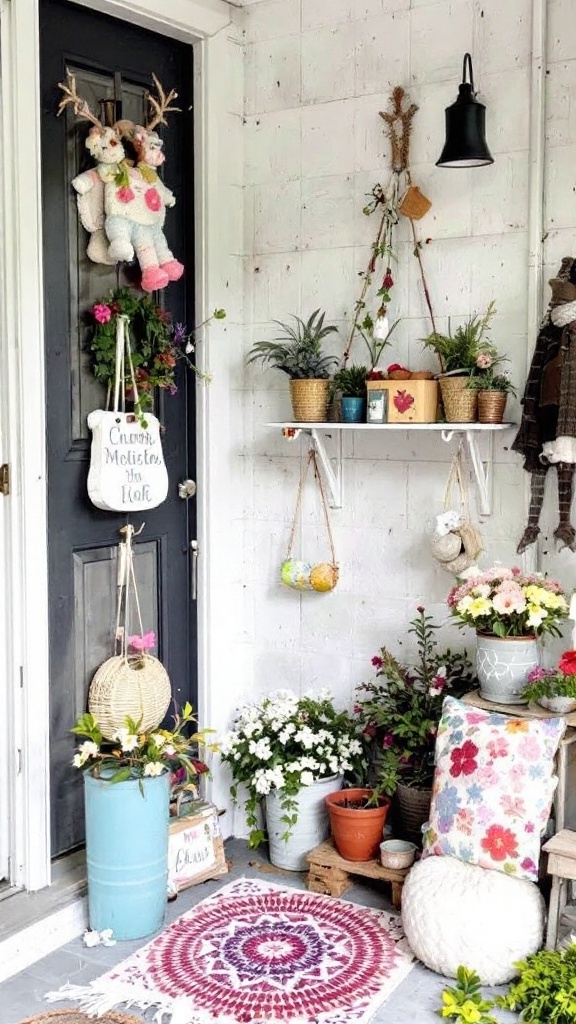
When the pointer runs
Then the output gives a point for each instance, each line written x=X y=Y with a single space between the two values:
x=136 y=686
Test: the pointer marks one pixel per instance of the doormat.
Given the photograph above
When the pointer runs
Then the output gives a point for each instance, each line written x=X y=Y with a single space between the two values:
x=258 y=952
x=77 y=1017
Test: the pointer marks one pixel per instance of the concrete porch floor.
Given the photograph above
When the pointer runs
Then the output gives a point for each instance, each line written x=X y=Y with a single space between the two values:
x=415 y=1001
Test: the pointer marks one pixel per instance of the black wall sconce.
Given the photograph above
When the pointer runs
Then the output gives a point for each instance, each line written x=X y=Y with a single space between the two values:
x=465 y=144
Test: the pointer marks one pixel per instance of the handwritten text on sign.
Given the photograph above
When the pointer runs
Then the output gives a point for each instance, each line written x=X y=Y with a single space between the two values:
x=127 y=470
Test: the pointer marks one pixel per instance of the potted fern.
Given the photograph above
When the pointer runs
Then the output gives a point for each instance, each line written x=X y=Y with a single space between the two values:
x=298 y=351
x=462 y=355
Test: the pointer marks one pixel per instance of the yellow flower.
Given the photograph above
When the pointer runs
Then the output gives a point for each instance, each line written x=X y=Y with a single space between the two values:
x=463 y=606
x=536 y=615
x=480 y=606
x=535 y=593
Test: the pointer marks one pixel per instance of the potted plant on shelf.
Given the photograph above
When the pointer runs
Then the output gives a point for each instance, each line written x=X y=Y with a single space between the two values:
x=492 y=389
x=350 y=381
x=398 y=713
x=127 y=782
x=461 y=355
x=298 y=351
x=289 y=752
x=554 y=688
x=509 y=610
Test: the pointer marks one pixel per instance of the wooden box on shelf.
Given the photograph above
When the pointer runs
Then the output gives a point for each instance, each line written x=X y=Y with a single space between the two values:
x=411 y=401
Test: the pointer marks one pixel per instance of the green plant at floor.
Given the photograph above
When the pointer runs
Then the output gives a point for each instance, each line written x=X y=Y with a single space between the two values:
x=545 y=991
x=464 y=1002
x=284 y=742
x=467 y=350
x=298 y=350
x=398 y=712
x=351 y=381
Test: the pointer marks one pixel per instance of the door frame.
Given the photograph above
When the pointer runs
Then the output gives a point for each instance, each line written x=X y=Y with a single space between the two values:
x=23 y=521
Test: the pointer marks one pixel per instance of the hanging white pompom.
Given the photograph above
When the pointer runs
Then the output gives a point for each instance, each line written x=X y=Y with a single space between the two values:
x=381 y=329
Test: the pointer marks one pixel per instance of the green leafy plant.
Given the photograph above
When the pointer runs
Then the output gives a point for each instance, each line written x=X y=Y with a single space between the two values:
x=351 y=381
x=156 y=343
x=467 y=349
x=464 y=1002
x=492 y=382
x=286 y=742
x=134 y=754
x=553 y=682
x=545 y=991
x=298 y=350
x=398 y=711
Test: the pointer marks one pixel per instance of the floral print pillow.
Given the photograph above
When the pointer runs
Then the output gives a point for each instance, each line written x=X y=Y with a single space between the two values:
x=493 y=787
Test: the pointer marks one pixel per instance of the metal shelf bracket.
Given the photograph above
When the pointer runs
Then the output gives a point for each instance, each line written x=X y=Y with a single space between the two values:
x=481 y=468
x=331 y=468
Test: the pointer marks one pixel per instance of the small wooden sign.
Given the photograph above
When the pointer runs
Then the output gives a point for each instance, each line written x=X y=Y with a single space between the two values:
x=195 y=848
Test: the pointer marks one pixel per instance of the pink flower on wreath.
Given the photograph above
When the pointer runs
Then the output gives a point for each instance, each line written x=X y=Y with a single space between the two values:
x=142 y=643
x=124 y=194
x=102 y=313
x=152 y=199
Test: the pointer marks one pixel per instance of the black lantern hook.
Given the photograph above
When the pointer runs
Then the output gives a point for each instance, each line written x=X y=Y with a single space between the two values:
x=465 y=144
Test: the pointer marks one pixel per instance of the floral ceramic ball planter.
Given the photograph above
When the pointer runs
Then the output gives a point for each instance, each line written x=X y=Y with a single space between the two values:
x=357 y=830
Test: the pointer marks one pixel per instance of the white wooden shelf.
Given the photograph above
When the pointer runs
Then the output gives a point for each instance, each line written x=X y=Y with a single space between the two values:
x=332 y=466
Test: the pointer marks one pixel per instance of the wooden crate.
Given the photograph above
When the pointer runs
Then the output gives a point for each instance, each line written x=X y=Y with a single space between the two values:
x=330 y=874
x=195 y=848
x=411 y=401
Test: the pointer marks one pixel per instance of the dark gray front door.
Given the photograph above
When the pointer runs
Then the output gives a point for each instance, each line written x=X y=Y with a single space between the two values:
x=111 y=60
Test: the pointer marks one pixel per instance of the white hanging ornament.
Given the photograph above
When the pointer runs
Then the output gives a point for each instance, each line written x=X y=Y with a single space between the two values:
x=381 y=329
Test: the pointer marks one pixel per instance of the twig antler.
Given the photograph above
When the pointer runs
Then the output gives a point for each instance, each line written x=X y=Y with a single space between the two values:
x=399 y=133
x=161 y=106
x=80 y=106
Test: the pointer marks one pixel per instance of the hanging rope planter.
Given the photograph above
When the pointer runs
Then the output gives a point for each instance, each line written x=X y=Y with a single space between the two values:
x=133 y=685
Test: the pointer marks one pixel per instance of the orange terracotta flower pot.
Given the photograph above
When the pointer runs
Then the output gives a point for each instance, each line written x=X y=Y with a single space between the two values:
x=357 y=831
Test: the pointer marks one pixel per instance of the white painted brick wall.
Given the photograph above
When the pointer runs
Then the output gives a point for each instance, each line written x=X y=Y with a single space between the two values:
x=317 y=74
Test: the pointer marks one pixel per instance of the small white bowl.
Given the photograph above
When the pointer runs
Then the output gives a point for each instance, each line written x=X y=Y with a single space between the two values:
x=397 y=853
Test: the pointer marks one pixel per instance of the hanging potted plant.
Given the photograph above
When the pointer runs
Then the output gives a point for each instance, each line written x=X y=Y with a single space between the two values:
x=398 y=713
x=127 y=782
x=285 y=754
x=298 y=351
x=510 y=610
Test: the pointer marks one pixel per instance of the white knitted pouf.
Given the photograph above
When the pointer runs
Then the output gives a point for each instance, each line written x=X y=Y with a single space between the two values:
x=455 y=913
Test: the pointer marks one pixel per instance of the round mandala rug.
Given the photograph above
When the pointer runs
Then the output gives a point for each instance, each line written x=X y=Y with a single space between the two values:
x=256 y=952
x=75 y=1017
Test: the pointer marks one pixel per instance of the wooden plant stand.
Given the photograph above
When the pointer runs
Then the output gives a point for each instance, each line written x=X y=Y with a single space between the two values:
x=330 y=874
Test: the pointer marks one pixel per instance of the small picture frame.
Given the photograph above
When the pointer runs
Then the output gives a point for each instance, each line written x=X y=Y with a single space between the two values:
x=377 y=405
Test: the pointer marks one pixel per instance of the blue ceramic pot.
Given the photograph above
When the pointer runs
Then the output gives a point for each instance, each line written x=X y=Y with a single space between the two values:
x=353 y=410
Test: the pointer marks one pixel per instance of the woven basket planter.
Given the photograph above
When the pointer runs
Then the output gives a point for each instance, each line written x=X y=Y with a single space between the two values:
x=137 y=687
x=310 y=400
x=460 y=403
x=491 y=406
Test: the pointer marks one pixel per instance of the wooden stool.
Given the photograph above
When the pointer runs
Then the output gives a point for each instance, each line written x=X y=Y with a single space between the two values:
x=561 y=850
x=330 y=874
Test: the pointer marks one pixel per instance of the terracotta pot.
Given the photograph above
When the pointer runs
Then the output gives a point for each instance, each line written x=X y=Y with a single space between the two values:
x=357 y=832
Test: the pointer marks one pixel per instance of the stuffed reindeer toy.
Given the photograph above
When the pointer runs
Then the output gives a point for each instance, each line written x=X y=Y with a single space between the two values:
x=123 y=205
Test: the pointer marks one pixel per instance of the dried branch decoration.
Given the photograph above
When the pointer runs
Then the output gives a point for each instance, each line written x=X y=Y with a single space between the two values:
x=161 y=106
x=399 y=128
x=79 y=106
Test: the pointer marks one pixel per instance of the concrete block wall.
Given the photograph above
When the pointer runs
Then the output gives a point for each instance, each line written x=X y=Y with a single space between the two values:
x=317 y=74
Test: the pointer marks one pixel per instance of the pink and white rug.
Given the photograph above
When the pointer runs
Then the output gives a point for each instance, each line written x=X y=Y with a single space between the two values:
x=257 y=952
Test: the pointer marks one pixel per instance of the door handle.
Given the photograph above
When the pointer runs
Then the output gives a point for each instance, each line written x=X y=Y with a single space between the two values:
x=194 y=573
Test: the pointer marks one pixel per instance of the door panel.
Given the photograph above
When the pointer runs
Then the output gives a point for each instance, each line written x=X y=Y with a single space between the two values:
x=82 y=539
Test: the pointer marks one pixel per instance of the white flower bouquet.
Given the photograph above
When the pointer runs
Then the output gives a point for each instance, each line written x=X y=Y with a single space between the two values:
x=285 y=742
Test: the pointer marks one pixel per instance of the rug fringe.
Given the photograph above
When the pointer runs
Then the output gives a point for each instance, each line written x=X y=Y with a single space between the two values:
x=97 y=1000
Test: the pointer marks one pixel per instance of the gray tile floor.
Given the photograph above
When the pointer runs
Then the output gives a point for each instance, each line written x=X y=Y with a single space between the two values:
x=415 y=1001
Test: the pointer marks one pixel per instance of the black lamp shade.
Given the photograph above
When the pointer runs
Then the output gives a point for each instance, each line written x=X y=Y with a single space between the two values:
x=465 y=144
